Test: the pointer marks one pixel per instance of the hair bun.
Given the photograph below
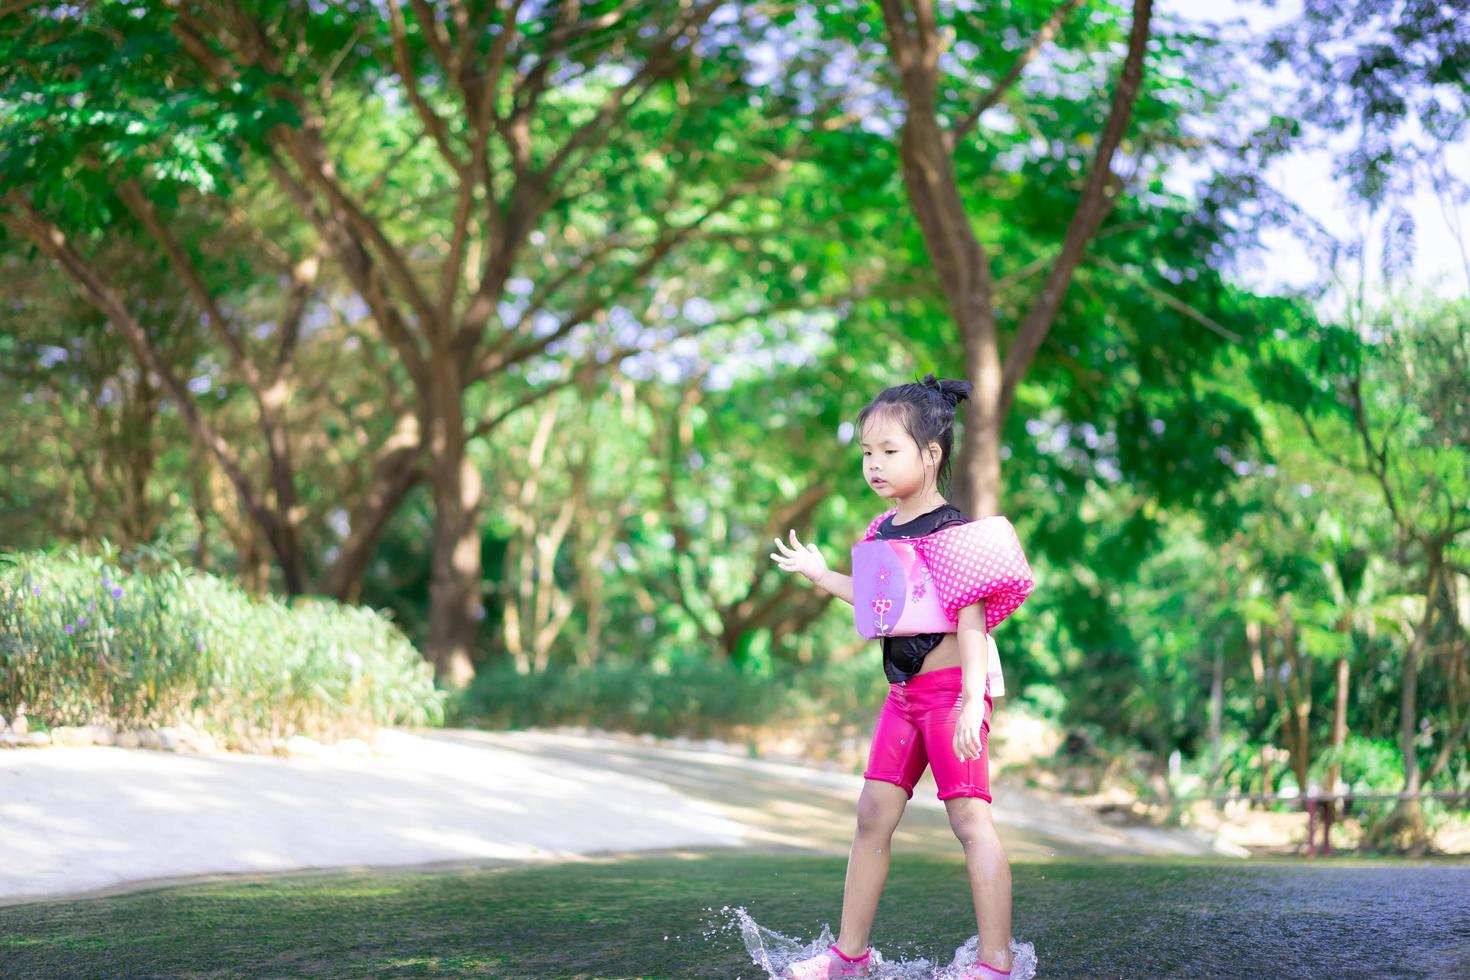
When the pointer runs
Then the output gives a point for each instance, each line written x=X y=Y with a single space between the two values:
x=953 y=392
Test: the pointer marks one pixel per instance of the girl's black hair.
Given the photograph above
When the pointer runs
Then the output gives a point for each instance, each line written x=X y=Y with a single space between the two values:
x=925 y=409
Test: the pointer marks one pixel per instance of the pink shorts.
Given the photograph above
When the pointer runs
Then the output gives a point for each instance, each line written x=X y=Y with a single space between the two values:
x=916 y=729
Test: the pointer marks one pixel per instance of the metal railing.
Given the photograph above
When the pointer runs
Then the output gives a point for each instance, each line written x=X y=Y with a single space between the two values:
x=1320 y=807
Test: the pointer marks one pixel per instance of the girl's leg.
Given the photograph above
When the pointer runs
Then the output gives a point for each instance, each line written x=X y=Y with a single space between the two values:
x=879 y=808
x=990 y=877
x=964 y=786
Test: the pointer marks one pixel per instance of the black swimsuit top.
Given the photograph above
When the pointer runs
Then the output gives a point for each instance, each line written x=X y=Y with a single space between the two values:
x=904 y=655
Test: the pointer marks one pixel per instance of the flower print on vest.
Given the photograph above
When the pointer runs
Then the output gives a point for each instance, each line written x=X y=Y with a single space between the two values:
x=881 y=604
x=921 y=582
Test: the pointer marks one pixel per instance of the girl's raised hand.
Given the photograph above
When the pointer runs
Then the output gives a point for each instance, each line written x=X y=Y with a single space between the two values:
x=798 y=557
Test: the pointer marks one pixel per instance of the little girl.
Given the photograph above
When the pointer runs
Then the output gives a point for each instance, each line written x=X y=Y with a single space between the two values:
x=938 y=708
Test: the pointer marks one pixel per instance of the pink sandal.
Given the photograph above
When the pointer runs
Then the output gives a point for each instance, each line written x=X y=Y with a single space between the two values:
x=831 y=962
x=984 y=971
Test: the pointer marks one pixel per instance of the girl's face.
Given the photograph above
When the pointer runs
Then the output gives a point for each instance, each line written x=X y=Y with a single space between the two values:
x=892 y=463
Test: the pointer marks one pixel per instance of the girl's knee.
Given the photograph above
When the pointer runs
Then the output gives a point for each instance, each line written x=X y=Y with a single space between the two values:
x=878 y=812
x=969 y=817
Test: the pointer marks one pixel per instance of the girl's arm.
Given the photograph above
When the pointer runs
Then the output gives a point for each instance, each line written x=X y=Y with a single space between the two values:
x=974 y=651
x=974 y=665
x=838 y=584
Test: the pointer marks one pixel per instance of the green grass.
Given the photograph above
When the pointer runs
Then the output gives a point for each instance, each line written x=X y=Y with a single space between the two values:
x=659 y=917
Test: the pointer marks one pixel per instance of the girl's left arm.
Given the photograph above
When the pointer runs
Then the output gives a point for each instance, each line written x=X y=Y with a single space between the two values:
x=974 y=666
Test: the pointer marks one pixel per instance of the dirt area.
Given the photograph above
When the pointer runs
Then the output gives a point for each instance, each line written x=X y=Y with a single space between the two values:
x=82 y=819
x=1023 y=753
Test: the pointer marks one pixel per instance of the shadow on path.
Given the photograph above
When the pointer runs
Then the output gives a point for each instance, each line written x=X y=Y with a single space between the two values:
x=797 y=809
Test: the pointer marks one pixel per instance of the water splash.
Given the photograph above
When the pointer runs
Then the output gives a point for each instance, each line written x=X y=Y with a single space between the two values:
x=773 y=952
x=1023 y=960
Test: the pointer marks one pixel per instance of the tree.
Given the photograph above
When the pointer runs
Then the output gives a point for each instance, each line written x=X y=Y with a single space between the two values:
x=545 y=133
x=1383 y=397
x=927 y=148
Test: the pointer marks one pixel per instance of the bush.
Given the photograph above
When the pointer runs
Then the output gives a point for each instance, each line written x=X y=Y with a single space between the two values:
x=85 y=641
x=690 y=697
x=697 y=698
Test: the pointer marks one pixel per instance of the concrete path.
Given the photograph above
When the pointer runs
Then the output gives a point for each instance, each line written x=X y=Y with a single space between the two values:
x=79 y=820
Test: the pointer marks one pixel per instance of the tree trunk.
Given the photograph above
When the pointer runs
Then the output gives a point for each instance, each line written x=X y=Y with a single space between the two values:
x=1339 y=736
x=595 y=538
x=1459 y=729
x=1339 y=726
x=396 y=470
x=455 y=610
x=978 y=484
x=276 y=526
x=964 y=274
x=1409 y=700
x=1258 y=674
x=1217 y=710
x=1295 y=694
x=926 y=150
x=522 y=582
x=1405 y=830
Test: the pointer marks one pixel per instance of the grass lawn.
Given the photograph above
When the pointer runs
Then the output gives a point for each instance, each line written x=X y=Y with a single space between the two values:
x=661 y=916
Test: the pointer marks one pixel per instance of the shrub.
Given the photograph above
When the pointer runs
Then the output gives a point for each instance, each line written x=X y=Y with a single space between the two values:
x=689 y=697
x=84 y=640
x=693 y=697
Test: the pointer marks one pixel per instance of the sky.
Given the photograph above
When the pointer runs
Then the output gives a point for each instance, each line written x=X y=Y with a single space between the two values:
x=1441 y=227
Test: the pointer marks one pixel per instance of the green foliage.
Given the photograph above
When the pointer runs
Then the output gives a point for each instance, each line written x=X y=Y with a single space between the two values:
x=113 y=108
x=1372 y=765
x=1395 y=77
x=690 y=697
x=94 y=639
x=1361 y=469
x=1181 y=460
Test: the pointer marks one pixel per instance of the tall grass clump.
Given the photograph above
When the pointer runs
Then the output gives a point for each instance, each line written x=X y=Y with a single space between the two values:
x=93 y=639
x=692 y=697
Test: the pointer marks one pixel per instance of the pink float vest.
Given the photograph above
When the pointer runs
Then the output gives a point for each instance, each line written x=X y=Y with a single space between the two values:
x=905 y=586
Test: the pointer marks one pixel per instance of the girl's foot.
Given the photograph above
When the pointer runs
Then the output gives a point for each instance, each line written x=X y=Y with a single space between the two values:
x=831 y=962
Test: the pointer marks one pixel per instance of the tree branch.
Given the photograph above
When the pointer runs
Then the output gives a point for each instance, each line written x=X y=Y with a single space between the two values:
x=1377 y=457
x=502 y=355
x=303 y=279
x=52 y=241
x=303 y=145
x=315 y=167
x=269 y=398
x=403 y=65
x=142 y=209
x=350 y=251
x=1042 y=38
x=434 y=33
x=1098 y=197
x=1172 y=302
x=534 y=190
x=362 y=271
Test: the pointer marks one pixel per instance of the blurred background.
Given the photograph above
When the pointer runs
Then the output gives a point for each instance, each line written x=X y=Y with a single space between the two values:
x=455 y=363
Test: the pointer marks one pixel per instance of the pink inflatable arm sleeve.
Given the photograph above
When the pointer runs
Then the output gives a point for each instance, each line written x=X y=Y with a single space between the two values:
x=979 y=560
